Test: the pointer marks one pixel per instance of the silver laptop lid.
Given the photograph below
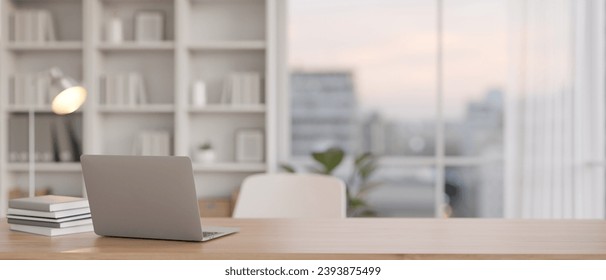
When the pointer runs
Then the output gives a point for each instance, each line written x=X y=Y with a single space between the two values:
x=142 y=196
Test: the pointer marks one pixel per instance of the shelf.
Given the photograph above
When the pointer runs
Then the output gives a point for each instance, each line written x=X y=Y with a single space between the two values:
x=46 y=167
x=137 y=46
x=146 y=109
x=229 y=109
x=230 y=167
x=228 y=45
x=36 y=109
x=47 y=46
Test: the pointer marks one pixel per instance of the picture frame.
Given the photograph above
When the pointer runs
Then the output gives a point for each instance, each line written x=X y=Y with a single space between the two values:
x=250 y=145
x=149 y=26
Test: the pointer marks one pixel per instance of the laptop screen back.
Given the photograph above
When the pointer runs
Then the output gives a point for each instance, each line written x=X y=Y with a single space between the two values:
x=142 y=196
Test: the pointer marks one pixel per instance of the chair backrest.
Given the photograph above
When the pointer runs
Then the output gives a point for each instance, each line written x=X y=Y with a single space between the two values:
x=291 y=196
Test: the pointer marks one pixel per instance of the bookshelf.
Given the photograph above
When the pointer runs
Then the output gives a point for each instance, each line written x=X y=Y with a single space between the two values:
x=203 y=39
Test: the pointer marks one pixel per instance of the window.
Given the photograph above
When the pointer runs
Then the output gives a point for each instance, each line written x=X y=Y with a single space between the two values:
x=381 y=77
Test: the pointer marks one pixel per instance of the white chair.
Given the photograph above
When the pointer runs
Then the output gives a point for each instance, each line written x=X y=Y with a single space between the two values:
x=291 y=196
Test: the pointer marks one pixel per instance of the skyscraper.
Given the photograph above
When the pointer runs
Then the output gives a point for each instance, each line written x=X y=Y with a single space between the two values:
x=323 y=109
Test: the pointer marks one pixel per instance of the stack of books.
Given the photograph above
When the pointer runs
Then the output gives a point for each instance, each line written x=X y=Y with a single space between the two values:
x=124 y=89
x=152 y=143
x=242 y=88
x=50 y=215
x=33 y=26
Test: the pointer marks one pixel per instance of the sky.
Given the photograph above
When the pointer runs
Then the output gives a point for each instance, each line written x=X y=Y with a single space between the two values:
x=391 y=46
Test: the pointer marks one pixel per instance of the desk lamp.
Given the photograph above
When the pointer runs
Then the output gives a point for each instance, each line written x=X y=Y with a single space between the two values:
x=70 y=98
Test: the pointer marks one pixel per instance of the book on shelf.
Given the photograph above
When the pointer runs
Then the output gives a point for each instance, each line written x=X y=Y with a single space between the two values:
x=50 y=220
x=152 y=143
x=81 y=222
x=57 y=138
x=242 y=88
x=48 y=203
x=51 y=231
x=149 y=26
x=44 y=149
x=33 y=26
x=31 y=89
x=45 y=214
x=124 y=89
x=17 y=138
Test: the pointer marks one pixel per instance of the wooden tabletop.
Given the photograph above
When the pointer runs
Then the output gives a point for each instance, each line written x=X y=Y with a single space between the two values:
x=337 y=239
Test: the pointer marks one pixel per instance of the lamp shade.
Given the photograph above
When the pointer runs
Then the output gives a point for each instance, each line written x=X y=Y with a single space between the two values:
x=71 y=95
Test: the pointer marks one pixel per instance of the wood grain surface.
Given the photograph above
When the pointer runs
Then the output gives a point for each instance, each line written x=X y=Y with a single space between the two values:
x=336 y=239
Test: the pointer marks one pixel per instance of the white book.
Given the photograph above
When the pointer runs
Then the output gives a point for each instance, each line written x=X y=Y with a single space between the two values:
x=121 y=89
x=35 y=21
x=50 y=220
x=110 y=89
x=136 y=147
x=226 y=93
x=149 y=26
x=165 y=142
x=12 y=94
x=146 y=144
x=81 y=222
x=103 y=91
x=50 y=27
x=241 y=83
x=44 y=147
x=133 y=89
x=48 y=203
x=30 y=26
x=19 y=26
x=41 y=23
x=141 y=90
x=158 y=144
x=236 y=90
x=17 y=138
x=14 y=27
x=45 y=214
x=246 y=92
x=42 y=87
x=256 y=88
x=30 y=88
x=51 y=231
x=22 y=90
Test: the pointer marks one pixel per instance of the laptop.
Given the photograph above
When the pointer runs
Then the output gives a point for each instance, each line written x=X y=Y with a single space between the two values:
x=145 y=197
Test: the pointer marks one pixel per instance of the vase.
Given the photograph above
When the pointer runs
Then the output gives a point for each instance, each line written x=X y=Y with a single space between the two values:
x=206 y=156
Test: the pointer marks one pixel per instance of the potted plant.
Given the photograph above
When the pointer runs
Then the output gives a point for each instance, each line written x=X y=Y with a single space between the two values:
x=358 y=183
x=205 y=153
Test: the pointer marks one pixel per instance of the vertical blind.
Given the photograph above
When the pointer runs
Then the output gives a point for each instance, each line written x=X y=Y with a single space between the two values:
x=555 y=122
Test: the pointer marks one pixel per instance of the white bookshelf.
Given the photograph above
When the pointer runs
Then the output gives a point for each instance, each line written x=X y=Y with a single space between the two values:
x=228 y=45
x=50 y=46
x=46 y=167
x=140 y=109
x=134 y=46
x=204 y=39
x=230 y=167
x=228 y=109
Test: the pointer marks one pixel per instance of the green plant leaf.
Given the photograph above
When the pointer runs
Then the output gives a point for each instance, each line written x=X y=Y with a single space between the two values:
x=316 y=170
x=360 y=159
x=288 y=168
x=356 y=202
x=366 y=187
x=367 y=170
x=329 y=159
x=367 y=213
